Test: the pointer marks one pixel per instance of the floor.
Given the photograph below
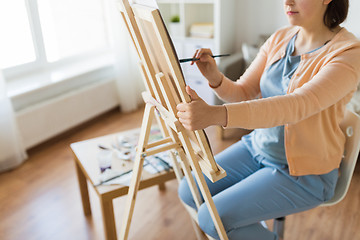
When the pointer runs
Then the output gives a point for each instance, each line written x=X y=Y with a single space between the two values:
x=41 y=200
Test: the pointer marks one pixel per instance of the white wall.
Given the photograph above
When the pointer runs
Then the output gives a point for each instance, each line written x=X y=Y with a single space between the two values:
x=266 y=16
x=256 y=18
x=352 y=22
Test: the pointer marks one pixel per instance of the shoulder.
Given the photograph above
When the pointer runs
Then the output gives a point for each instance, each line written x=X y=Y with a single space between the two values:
x=344 y=47
x=345 y=40
x=341 y=53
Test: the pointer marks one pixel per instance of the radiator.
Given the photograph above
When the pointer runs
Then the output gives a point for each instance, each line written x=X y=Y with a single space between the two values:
x=49 y=118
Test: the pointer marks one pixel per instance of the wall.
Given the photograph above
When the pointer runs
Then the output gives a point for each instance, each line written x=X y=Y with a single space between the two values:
x=352 y=22
x=256 y=18
x=265 y=16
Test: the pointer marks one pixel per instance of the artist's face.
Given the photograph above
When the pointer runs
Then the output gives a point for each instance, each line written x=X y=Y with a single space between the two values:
x=305 y=13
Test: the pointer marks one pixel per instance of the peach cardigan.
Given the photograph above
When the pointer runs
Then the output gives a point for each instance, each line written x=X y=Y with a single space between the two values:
x=311 y=111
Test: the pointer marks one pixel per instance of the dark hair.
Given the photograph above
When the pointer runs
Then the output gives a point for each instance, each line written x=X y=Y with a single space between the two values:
x=336 y=13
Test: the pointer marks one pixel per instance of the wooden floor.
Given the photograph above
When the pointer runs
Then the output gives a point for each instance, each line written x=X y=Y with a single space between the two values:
x=41 y=200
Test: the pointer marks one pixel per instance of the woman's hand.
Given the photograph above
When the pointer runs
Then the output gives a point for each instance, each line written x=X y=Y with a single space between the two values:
x=207 y=66
x=198 y=114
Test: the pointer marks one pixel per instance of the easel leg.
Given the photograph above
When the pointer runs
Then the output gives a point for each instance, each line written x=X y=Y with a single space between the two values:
x=166 y=133
x=190 y=179
x=177 y=169
x=137 y=170
x=198 y=232
x=204 y=189
x=209 y=201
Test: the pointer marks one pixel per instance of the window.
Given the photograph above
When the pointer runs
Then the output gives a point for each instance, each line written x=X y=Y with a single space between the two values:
x=41 y=34
x=71 y=27
x=16 y=46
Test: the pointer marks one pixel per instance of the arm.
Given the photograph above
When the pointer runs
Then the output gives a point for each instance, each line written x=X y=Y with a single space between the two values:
x=332 y=83
x=337 y=79
x=199 y=115
x=246 y=88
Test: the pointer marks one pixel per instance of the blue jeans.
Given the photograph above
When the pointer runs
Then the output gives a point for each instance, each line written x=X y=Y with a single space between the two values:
x=254 y=190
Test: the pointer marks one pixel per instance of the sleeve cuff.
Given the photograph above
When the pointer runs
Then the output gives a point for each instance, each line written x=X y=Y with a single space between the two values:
x=237 y=115
x=221 y=81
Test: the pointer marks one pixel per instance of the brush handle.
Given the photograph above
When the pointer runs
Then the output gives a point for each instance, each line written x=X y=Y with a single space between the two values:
x=197 y=59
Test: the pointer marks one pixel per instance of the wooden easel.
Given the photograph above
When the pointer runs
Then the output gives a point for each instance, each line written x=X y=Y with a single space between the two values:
x=165 y=86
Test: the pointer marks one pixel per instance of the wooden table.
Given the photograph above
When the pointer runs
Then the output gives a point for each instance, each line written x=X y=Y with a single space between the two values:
x=87 y=169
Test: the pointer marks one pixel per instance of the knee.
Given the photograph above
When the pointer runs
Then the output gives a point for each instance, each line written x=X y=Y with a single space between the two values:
x=206 y=223
x=185 y=194
x=232 y=228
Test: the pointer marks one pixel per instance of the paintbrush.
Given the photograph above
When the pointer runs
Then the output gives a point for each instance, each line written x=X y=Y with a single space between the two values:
x=197 y=59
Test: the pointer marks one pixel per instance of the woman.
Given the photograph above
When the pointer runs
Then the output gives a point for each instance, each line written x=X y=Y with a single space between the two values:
x=294 y=96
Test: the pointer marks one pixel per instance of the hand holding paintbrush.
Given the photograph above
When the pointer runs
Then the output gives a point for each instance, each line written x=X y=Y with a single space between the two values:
x=206 y=63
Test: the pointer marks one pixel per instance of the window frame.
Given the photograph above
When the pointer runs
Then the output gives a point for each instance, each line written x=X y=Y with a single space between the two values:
x=41 y=64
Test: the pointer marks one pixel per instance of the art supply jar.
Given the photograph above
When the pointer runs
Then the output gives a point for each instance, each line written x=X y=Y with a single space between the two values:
x=104 y=158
